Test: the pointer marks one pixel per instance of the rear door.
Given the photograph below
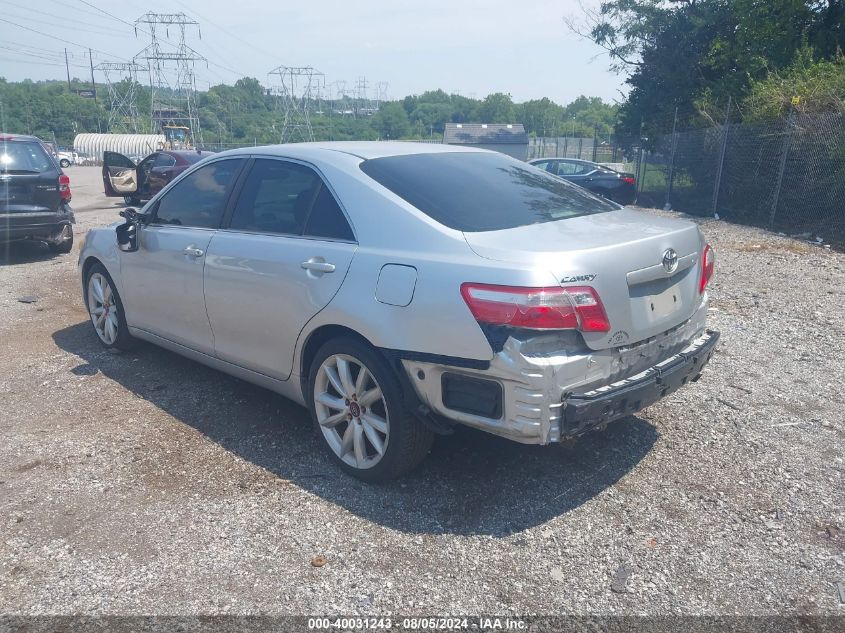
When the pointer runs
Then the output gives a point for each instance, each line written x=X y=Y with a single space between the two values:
x=280 y=259
x=29 y=179
x=120 y=175
x=163 y=279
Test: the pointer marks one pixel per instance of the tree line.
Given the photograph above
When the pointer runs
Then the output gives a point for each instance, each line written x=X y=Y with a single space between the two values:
x=247 y=113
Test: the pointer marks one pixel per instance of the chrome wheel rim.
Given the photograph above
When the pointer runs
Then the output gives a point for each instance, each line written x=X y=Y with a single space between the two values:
x=103 y=308
x=351 y=411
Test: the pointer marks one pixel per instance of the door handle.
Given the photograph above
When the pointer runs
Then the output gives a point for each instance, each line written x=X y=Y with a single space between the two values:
x=193 y=251
x=318 y=265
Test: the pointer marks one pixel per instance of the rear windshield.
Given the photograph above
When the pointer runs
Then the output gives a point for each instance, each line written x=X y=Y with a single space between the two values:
x=474 y=192
x=24 y=157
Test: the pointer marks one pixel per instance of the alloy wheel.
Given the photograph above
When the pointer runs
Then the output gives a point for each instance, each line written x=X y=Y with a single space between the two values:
x=351 y=411
x=103 y=308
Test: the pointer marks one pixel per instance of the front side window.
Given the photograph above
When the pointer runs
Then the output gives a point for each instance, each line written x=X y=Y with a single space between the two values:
x=199 y=199
x=483 y=191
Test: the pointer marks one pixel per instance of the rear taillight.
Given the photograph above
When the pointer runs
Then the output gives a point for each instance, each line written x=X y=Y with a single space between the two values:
x=573 y=308
x=64 y=187
x=708 y=260
x=629 y=179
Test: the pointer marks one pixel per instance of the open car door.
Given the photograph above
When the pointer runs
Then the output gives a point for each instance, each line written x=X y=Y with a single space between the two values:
x=120 y=175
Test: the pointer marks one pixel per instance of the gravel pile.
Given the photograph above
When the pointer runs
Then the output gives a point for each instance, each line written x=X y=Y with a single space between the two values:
x=145 y=483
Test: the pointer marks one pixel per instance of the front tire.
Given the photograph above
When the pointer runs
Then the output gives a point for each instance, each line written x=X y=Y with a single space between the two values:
x=64 y=162
x=132 y=201
x=356 y=404
x=106 y=309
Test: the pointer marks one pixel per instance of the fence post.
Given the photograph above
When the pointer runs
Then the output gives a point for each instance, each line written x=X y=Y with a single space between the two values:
x=672 y=160
x=725 y=130
x=787 y=140
x=595 y=141
x=565 y=146
x=580 y=145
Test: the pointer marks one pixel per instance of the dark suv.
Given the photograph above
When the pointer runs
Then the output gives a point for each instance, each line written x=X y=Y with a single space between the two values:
x=34 y=194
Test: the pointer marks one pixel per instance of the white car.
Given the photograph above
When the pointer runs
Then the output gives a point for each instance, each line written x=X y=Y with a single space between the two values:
x=398 y=289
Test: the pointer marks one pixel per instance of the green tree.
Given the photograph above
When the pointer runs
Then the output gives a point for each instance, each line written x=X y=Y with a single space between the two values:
x=391 y=121
x=497 y=108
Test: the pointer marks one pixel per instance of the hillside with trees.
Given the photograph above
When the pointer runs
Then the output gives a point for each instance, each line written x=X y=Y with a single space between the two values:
x=244 y=113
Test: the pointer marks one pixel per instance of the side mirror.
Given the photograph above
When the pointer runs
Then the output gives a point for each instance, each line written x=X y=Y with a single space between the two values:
x=127 y=233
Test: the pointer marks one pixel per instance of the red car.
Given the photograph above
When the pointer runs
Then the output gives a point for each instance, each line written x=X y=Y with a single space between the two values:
x=135 y=183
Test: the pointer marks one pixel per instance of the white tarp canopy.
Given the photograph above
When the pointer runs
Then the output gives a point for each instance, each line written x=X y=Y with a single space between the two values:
x=132 y=145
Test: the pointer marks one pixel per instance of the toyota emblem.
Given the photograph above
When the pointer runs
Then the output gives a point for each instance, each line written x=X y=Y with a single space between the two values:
x=670 y=260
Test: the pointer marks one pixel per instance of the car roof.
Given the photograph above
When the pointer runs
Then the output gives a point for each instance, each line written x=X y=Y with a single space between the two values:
x=569 y=160
x=362 y=149
x=18 y=137
x=183 y=152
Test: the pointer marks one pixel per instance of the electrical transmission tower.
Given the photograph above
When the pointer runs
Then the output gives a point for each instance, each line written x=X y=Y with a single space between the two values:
x=171 y=67
x=381 y=93
x=122 y=83
x=296 y=88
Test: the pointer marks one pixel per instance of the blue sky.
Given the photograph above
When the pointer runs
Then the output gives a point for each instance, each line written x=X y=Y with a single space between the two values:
x=464 y=46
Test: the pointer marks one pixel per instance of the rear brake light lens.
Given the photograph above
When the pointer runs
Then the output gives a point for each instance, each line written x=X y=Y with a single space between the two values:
x=64 y=187
x=629 y=179
x=573 y=308
x=708 y=261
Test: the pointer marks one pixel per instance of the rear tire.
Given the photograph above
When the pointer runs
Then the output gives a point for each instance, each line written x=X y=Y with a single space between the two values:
x=132 y=201
x=370 y=435
x=66 y=245
x=106 y=310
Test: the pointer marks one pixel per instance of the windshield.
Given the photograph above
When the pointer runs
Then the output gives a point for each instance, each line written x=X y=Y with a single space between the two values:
x=482 y=191
x=25 y=157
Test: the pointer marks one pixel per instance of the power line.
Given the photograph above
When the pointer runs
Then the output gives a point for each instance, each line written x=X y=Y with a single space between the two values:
x=26 y=28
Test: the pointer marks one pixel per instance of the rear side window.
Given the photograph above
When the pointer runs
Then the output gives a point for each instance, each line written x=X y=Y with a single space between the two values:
x=25 y=157
x=199 y=199
x=326 y=219
x=275 y=198
x=475 y=192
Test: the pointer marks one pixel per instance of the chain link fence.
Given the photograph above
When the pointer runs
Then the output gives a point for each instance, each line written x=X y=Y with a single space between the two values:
x=596 y=149
x=787 y=175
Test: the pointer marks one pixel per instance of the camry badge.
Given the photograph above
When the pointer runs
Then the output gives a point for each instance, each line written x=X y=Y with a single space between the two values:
x=670 y=260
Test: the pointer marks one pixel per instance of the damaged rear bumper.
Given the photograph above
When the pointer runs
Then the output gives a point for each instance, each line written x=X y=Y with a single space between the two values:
x=546 y=389
x=595 y=408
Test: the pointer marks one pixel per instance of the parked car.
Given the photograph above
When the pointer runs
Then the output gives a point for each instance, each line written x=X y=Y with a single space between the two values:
x=398 y=289
x=67 y=157
x=604 y=181
x=34 y=194
x=122 y=177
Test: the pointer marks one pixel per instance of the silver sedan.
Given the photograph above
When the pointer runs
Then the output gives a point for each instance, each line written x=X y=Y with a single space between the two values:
x=399 y=289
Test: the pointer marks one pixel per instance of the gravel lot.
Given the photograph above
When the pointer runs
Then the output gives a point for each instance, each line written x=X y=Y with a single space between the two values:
x=145 y=483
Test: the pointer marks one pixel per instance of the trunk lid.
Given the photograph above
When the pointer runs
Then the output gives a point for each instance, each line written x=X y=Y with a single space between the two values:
x=29 y=192
x=619 y=254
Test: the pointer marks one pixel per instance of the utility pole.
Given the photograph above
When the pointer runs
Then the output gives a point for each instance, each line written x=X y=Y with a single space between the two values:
x=67 y=68
x=93 y=85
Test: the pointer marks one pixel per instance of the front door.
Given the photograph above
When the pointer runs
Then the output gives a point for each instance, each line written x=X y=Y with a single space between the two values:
x=120 y=175
x=279 y=261
x=163 y=279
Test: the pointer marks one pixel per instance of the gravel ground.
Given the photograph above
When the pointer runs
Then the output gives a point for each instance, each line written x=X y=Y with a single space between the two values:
x=145 y=483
